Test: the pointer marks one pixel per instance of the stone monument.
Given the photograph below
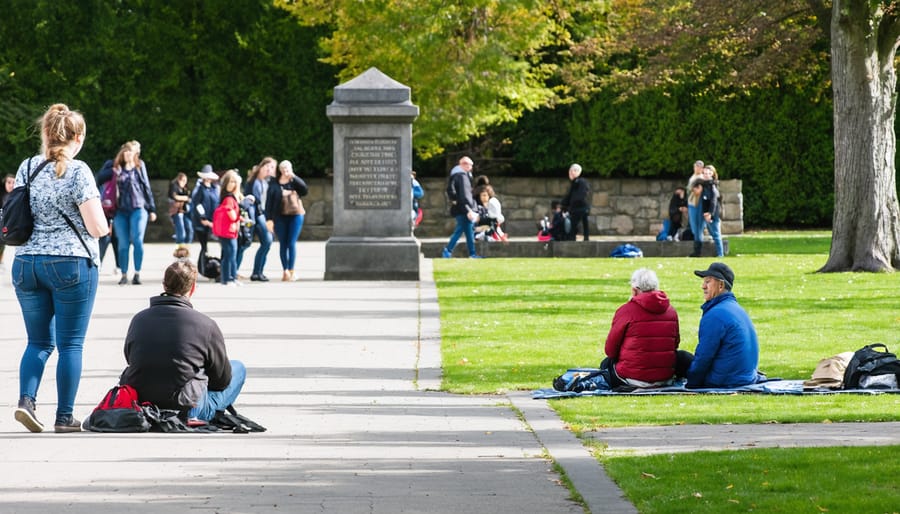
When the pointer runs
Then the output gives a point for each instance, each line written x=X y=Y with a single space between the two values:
x=372 y=233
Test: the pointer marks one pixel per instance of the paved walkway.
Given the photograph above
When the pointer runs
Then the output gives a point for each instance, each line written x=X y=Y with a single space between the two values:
x=342 y=373
x=345 y=376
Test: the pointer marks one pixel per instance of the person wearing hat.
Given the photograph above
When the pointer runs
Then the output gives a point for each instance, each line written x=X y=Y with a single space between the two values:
x=204 y=201
x=727 y=352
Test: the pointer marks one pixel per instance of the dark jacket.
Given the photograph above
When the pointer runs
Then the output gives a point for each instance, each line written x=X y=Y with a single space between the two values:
x=171 y=351
x=643 y=338
x=709 y=199
x=727 y=353
x=275 y=194
x=579 y=196
x=459 y=192
x=675 y=205
x=204 y=201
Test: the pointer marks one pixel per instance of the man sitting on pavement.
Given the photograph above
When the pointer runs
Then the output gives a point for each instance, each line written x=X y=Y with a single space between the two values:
x=176 y=356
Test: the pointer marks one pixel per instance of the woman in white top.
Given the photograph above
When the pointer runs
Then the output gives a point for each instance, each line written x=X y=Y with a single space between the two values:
x=55 y=271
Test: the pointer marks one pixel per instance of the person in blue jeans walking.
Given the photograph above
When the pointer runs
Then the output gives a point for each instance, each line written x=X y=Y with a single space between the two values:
x=135 y=205
x=176 y=355
x=55 y=272
x=462 y=207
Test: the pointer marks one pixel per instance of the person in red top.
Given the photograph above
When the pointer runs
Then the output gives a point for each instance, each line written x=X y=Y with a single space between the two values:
x=642 y=342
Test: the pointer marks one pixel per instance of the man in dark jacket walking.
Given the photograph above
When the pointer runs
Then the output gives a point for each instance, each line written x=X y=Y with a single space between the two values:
x=176 y=356
x=578 y=202
x=462 y=207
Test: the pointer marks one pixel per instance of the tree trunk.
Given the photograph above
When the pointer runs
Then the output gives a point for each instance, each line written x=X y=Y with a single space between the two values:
x=865 y=231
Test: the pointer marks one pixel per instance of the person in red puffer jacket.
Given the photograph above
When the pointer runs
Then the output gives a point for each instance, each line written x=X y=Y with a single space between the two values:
x=643 y=340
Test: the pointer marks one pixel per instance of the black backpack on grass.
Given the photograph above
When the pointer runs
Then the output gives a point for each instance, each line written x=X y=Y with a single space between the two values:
x=868 y=363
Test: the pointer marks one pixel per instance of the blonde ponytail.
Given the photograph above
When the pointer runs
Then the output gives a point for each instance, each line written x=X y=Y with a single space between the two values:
x=59 y=126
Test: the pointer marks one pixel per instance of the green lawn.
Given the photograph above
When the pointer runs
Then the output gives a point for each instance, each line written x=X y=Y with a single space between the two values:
x=514 y=324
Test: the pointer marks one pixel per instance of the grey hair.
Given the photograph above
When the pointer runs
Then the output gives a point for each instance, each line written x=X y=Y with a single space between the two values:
x=645 y=280
x=576 y=168
x=699 y=164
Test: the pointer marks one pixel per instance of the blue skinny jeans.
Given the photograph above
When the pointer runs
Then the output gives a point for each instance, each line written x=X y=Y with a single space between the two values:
x=56 y=295
x=287 y=230
x=129 y=227
x=229 y=260
x=184 y=229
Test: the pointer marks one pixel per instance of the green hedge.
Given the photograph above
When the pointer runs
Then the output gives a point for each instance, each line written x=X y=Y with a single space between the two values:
x=195 y=82
x=779 y=143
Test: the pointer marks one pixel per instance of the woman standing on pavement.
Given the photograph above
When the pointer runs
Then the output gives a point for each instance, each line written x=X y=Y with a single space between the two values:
x=258 y=186
x=179 y=200
x=284 y=215
x=135 y=206
x=55 y=272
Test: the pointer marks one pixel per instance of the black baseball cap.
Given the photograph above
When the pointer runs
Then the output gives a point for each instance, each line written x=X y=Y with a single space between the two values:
x=720 y=271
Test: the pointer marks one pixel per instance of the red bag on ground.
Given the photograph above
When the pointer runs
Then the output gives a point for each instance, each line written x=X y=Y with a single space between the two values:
x=118 y=411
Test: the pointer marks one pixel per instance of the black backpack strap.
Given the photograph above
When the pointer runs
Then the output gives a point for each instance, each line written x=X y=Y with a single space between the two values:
x=77 y=233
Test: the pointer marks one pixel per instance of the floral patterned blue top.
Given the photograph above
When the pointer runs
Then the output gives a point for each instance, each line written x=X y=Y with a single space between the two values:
x=49 y=197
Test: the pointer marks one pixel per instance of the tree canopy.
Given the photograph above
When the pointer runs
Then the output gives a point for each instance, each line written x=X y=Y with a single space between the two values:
x=471 y=64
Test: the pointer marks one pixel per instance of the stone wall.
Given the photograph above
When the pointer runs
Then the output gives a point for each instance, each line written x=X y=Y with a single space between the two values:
x=620 y=207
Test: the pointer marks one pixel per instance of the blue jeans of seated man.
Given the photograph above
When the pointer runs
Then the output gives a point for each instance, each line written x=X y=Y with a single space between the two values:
x=56 y=295
x=218 y=400
x=184 y=229
x=463 y=226
x=715 y=232
x=129 y=227
x=265 y=243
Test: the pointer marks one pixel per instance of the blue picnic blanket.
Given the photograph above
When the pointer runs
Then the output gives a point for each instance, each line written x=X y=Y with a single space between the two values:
x=772 y=386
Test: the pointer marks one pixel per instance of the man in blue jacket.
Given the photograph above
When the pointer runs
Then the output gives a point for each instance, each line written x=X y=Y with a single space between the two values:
x=727 y=352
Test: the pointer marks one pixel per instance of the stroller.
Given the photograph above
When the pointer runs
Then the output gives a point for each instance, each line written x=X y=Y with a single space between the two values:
x=559 y=229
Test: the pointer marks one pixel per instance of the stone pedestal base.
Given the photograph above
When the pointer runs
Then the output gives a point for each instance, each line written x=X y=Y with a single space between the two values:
x=372 y=258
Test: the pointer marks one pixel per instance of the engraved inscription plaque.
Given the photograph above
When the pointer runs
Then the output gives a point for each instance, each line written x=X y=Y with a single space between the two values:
x=372 y=180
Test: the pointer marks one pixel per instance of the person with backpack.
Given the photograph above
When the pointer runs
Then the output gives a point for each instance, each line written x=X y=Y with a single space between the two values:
x=462 y=207
x=204 y=200
x=176 y=355
x=135 y=205
x=727 y=353
x=55 y=270
x=577 y=202
x=226 y=218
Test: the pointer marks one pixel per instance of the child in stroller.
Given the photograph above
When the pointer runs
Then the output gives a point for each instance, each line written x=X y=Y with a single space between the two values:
x=559 y=228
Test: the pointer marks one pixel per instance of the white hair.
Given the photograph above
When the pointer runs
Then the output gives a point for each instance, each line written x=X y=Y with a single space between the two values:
x=576 y=168
x=645 y=280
